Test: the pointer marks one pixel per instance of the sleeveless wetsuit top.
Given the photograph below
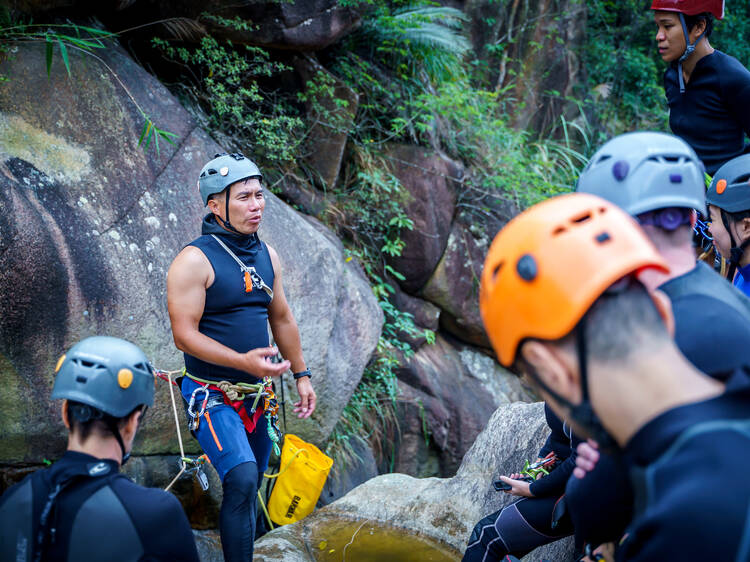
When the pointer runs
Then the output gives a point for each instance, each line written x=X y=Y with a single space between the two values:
x=231 y=315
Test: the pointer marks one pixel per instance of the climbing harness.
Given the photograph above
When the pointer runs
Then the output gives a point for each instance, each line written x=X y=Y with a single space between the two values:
x=235 y=395
x=252 y=278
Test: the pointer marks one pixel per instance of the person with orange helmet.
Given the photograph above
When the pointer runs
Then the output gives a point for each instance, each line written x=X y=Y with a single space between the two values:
x=562 y=303
x=707 y=91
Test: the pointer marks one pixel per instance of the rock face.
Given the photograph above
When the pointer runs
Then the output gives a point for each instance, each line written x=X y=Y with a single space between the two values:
x=331 y=108
x=541 y=39
x=89 y=223
x=443 y=509
x=428 y=179
x=451 y=390
x=454 y=285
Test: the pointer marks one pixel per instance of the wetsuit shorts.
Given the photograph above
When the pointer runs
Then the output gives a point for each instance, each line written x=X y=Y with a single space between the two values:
x=222 y=435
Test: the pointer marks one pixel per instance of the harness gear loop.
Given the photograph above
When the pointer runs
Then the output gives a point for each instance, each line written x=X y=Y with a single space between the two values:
x=195 y=418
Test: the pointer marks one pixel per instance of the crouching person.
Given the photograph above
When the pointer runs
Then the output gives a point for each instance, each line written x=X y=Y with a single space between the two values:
x=82 y=507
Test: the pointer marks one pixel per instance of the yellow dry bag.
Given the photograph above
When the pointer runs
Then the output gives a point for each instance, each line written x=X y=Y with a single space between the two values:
x=303 y=472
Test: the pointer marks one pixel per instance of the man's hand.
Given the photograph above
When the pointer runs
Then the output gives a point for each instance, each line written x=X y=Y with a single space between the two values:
x=258 y=363
x=587 y=458
x=517 y=487
x=306 y=405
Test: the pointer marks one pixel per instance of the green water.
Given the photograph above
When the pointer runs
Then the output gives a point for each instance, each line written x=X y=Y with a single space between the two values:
x=355 y=541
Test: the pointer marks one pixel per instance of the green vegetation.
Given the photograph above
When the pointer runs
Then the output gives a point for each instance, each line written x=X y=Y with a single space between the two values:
x=66 y=37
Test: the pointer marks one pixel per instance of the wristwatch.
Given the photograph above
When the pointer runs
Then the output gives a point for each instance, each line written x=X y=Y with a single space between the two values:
x=305 y=373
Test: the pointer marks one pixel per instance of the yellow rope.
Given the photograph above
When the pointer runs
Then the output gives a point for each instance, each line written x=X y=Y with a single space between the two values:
x=271 y=476
x=263 y=506
x=280 y=472
x=179 y=435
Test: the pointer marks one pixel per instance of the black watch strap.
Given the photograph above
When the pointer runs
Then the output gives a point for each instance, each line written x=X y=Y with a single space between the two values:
x=305 y=373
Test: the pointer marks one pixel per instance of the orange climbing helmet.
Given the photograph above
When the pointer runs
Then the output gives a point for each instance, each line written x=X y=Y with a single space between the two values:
x=549 y=264
x=691 y=7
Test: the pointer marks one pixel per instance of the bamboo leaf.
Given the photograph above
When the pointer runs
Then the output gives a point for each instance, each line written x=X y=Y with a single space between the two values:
x=64 y=54
x=50 y=50
x=143 y=132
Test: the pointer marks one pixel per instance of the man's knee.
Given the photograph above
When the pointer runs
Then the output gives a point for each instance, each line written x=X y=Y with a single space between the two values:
x=242 y=480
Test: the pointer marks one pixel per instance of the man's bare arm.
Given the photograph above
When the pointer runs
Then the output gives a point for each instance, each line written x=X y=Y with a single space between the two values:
x=188 y=277
x=286 y=335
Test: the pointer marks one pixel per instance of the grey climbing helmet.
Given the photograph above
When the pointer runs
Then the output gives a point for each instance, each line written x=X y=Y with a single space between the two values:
x=730 y=193
x=109 y=374
x=223 y=171
x=646 y=171
x=730 y=186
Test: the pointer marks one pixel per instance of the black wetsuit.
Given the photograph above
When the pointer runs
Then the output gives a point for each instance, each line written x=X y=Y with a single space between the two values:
x=713 y=114
x=689 y=470
x=712 y=329
x=529 y=523
x=98 y=515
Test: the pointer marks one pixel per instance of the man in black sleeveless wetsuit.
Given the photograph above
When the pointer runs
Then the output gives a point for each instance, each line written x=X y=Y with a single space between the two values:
x=82 y=508
x=223 y=290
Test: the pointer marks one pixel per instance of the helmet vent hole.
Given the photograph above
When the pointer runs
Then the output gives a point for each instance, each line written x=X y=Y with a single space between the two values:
x=559 y=230
x=496 y=271
x=603 y=237
x=745 y=178
x=603 y=158
x=212 y=172
x=141 y=367
x=581 y=218
x=81 y=379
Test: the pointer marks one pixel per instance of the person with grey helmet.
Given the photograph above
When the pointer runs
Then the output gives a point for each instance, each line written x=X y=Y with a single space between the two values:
x=82 y=507
x=707 y=90
x=658 y=179
x=223 y=291
x=728 y=199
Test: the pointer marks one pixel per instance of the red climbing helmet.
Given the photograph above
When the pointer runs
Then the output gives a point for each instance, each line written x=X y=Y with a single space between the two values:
x=691 y=7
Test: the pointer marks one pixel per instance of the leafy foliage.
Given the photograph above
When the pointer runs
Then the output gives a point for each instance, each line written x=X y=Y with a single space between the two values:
x=61 y=38
x=224 y=80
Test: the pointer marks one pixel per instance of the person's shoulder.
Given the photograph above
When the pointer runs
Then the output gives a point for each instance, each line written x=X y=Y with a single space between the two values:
x=16 y=488
x=730 y=71
x=150 y=499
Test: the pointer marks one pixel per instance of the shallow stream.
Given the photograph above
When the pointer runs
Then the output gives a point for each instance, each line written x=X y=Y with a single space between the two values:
x=369 y=541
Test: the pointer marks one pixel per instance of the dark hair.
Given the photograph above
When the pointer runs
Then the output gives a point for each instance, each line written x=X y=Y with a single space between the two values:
x=692 y=21
x=622 y=321
x=739 y=215
x=84 y=419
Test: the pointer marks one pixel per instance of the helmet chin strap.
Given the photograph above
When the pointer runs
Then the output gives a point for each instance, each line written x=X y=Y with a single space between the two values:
x=583 y=414
x=225 y=222
x=112 y=425
x=688 y=51
x=735 y=252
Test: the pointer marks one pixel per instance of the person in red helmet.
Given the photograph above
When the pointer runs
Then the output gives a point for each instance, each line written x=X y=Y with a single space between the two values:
x=708 y=91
